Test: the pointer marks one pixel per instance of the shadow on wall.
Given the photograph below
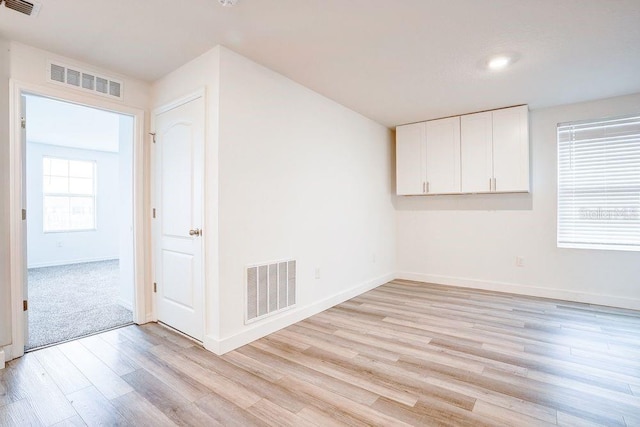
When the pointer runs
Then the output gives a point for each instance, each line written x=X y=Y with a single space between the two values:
x=466 y=202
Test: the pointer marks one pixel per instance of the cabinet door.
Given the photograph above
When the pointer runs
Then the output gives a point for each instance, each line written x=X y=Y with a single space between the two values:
x=410 y=159
x=476 y=152
x=511 y=149
x=443 y=156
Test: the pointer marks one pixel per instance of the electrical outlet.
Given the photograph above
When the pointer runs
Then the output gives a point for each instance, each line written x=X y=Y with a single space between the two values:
x=519 y=261
x=317 y=273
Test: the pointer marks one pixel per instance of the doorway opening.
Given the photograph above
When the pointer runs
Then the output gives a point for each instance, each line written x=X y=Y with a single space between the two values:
x=78 y=165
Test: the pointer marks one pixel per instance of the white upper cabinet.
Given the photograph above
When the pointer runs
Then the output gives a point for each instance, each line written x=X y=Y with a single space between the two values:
x=485 y=152
x=511 y=149
x=476 y=152
x=495 y=151
x=443 y=156
x=411 y=160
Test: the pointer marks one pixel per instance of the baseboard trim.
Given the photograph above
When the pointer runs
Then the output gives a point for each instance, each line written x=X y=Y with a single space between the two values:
x=6 y=355
x=268 y=326
x=72 y=261
x=520 y=289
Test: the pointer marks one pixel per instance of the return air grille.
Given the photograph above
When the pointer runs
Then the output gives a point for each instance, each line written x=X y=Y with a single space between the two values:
x=271 y=288
x=23 y=6
x=85 y=81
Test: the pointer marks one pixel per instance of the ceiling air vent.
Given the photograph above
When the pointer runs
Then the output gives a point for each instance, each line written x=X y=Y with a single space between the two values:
x=22 y=6
x=84 y=80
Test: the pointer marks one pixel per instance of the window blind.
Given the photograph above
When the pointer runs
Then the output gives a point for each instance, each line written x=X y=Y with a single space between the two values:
x=599 y=184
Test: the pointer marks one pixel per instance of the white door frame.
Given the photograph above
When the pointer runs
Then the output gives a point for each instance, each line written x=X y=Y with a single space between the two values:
x=17 y=238
x=199 y=93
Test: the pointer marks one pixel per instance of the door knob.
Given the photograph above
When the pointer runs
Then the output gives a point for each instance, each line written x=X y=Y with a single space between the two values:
x=195 y=232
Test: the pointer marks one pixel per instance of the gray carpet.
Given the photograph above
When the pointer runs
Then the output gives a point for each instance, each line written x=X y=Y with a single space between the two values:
x=71 y=301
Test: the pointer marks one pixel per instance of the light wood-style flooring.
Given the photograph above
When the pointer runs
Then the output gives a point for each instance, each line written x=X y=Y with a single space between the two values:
x=405 y=353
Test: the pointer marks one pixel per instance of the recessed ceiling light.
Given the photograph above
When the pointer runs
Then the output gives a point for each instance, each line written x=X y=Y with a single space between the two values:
x=500 y=62
x=228 y=3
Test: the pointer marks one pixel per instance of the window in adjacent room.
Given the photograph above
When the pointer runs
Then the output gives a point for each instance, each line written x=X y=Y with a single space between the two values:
x=69 y=194
x=599 y=184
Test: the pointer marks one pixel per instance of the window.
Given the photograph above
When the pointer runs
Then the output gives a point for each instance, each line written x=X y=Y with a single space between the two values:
x=69 y=194
x=599 y=184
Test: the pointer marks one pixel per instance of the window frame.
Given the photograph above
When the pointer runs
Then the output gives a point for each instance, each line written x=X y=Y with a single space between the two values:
x=69 y=195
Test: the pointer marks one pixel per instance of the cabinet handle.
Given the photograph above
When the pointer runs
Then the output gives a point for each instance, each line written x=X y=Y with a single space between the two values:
x=494 y=184
x=427 y=186
x=424 y=187
x=490 y=180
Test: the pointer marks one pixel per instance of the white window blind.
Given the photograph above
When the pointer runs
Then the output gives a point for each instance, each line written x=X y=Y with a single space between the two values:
x=599 y=184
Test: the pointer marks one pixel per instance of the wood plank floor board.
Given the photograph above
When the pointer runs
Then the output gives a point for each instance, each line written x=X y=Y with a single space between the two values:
x=310 y=376
x=75 y=421
x=496 y=397
x=279 y=395
x=138 y=411
x=101 y=376
x=226 y=413
x=155 y=391
x=184 y=385
x=508 y=417
x=94 y=408
x=114 y=359
x=405 y=353
x=568 y=420
x=19 y=413
x=64 y=373
x=39 y=389
x=211 y=380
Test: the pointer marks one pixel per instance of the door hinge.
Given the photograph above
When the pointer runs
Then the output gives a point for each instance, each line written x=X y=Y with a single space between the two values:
x=154 y=212
x=155 y=287
x=25 y=305
x=153 y=136
x=23 y=123
x=24 y=214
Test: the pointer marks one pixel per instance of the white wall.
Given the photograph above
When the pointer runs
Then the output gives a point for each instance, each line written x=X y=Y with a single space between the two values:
x=302 y=177
x=47 y=249
x=5 y=288
x=473 y=240
x=298 y=176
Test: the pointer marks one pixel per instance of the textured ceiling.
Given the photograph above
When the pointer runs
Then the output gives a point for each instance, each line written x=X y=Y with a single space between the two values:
x=393 y=61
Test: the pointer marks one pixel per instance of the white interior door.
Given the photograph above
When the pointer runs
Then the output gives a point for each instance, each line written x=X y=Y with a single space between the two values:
x=179 y=172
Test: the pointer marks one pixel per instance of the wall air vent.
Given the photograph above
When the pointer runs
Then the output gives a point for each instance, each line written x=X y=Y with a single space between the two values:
x=84 y=80
x=22 y=6
x=271 y=288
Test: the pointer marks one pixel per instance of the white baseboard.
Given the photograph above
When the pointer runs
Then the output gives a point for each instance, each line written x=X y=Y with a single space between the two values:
x=520 y=289
x=72 y=261
x=287 y=318
x=6 y=355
